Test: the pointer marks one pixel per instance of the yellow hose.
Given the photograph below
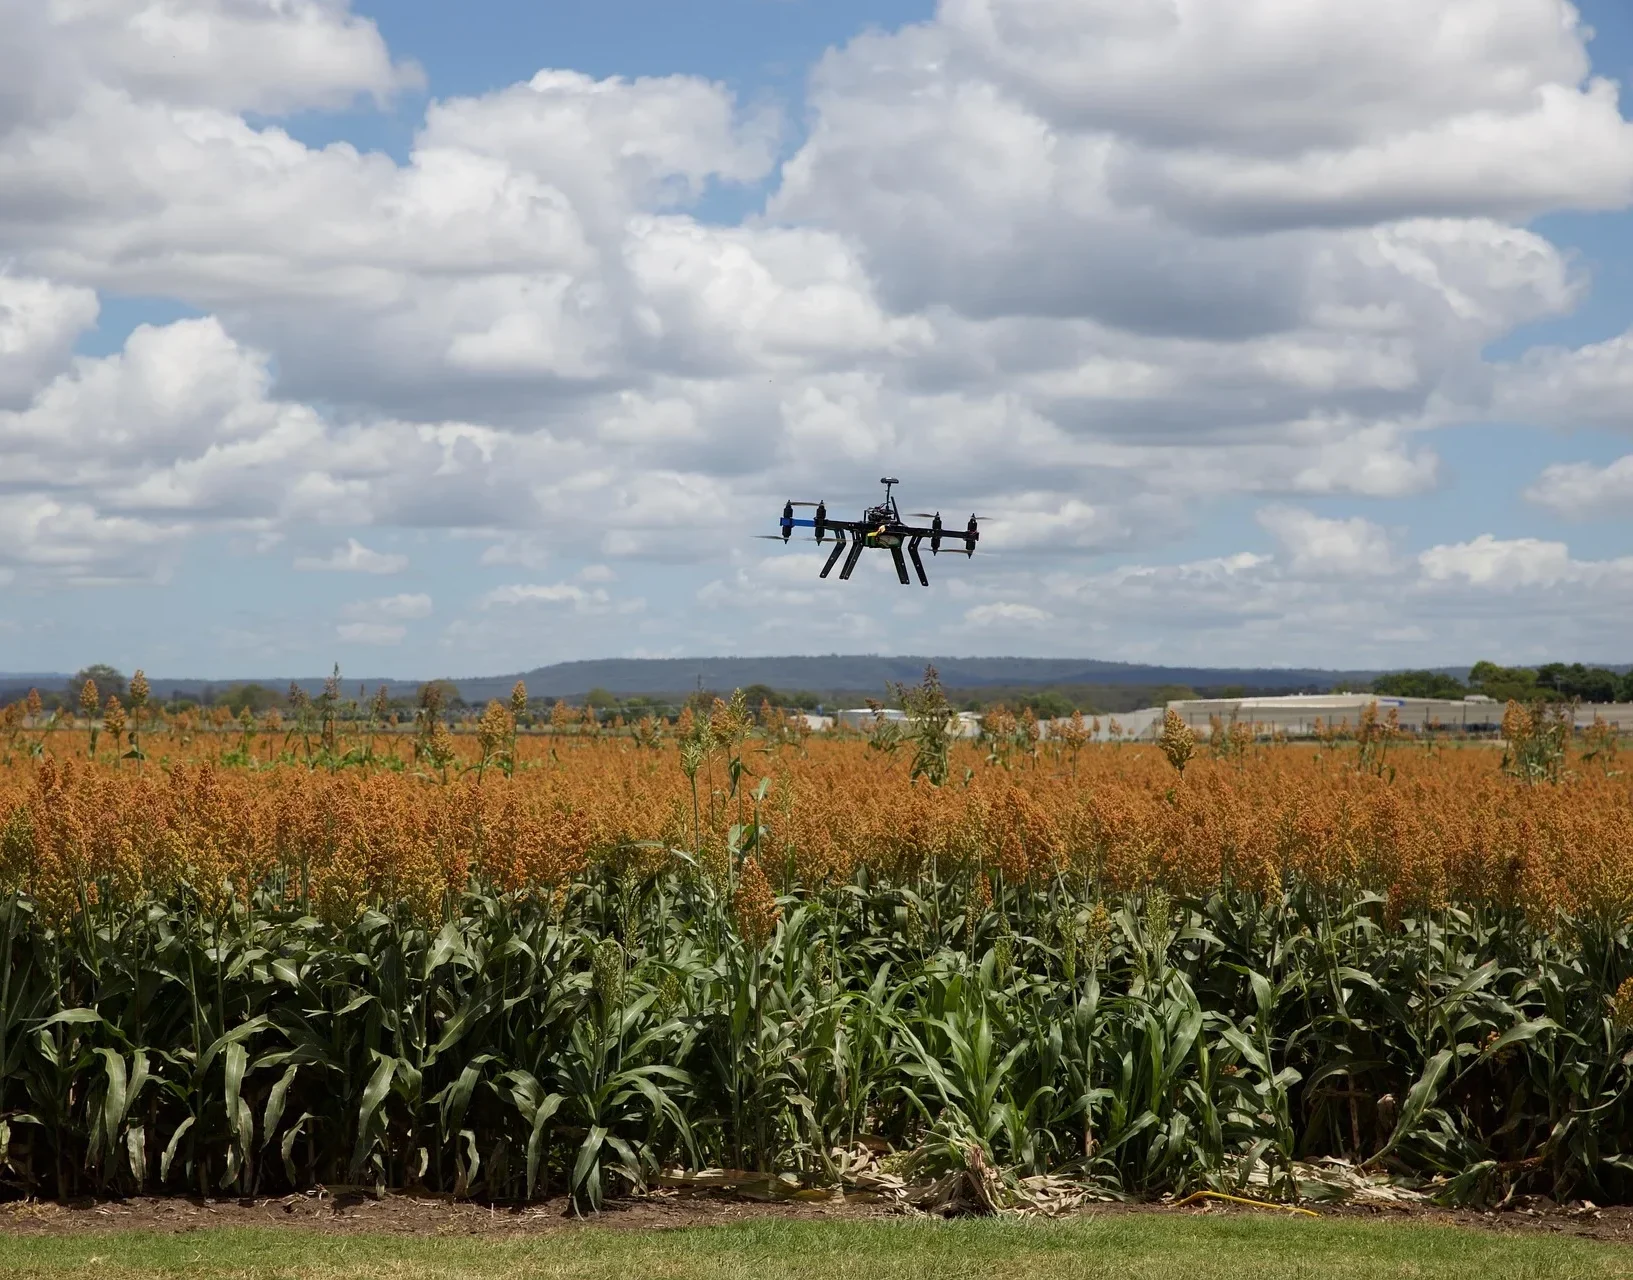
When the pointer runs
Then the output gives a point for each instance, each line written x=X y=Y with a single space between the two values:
x=1255 y=1204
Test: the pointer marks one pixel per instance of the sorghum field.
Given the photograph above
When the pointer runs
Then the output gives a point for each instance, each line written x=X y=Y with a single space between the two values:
x=253 y=956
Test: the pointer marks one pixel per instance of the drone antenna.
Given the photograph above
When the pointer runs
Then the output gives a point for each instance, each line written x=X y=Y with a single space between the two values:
x=887 y=481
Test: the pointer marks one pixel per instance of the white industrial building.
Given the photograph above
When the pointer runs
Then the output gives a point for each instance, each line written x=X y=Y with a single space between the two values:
x=1296 y=714
x=967 y=724
x=1127 y=726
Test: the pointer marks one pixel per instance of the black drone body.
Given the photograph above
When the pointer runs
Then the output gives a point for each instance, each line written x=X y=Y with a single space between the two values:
x=880 y=527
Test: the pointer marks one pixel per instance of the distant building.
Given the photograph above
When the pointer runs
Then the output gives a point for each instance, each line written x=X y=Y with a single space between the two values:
x=1142 y=725
x=1128 y=726
x=1293 y=715
x=1296 y=714
x=865 y=717
x=967 y=724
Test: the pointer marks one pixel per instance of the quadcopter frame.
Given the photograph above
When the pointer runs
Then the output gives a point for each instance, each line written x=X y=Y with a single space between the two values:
x=881 y=527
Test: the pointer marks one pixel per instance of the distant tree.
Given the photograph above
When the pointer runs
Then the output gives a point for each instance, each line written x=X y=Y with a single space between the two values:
x=257 y=697
x=439 y=696
x=108 y=680
x=804 y=699
x=1589 y=684
x=1553 y=675
x=755 y=694
x=1599 y=685
x=1419 y=684
x=1047 y=705
x=1518 y=684
x=701 y=700
x=600 y=698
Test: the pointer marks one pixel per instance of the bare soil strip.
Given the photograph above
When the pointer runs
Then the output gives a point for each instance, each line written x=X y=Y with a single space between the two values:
x=433 y=1216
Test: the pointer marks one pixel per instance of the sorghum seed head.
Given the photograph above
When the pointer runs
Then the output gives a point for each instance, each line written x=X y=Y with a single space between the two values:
x=754 y=907
x=1178 y=743
x=607 y=973
x=1621 y=1006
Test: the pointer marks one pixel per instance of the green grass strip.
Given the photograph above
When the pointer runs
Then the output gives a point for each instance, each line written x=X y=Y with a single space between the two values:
x=1114 y=1247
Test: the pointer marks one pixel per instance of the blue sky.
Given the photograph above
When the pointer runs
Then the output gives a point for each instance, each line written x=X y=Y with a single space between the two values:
x=773 y=248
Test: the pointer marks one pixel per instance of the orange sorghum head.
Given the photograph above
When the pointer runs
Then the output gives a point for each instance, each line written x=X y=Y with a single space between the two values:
x=754 y=908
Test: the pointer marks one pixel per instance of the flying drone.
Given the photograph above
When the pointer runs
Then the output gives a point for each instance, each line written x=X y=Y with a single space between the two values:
x=880 y=527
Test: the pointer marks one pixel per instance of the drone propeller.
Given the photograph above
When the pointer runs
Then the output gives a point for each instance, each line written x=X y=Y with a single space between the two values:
x=769 y=537
x=805 y=504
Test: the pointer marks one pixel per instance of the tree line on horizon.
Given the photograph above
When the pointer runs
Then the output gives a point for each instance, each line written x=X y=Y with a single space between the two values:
x=1548 y=682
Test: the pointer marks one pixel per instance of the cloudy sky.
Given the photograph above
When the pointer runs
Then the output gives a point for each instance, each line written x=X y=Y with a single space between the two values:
x=453 y=339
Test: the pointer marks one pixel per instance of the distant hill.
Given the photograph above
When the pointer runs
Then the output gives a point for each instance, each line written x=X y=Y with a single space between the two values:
x=861 y=674
x=624 y=676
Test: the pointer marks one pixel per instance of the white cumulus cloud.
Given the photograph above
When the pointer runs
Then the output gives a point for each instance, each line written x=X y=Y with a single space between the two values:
x=374 y=633
x=354 y=557
x=1580 y=490
x=39 y=322
x=1489 y=561
x=256 y=55
x=406 y=606
x=1315 y=544
x=555 y=593
x=1005 y=611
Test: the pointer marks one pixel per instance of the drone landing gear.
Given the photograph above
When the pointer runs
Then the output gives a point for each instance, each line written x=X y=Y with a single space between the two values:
x=918 y=565
x=901 y=565
x=839 y=550
x=850 y=561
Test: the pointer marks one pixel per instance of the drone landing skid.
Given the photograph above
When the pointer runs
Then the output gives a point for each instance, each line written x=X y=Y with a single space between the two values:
x=918 y=565
x=850 y=561
x=839 y=550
